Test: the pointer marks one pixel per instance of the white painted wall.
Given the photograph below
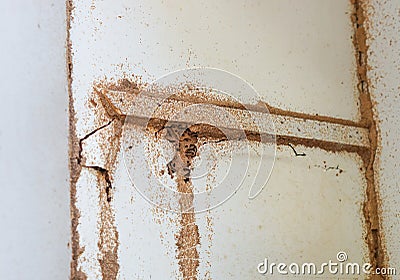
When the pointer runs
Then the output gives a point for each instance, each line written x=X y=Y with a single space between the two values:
x=34 y=201
x=34 y=206
x=299 y=57
x=384 y=54
x=288 y=50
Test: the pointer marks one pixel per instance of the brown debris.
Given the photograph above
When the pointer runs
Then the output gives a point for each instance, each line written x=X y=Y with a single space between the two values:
x=374 y=236
x=188 y=237
x=108 y=237
x=74 y=166
x=108 y=242
x=111 y=111
x=125 y=84
x=194 y=95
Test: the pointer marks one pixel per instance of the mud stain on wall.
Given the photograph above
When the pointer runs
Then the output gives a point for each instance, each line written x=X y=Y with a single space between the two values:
x=210 y=133
x=371 y=209
x=110 y=146
x=194 y=94
x=110 y=133
x=74 y=150
x=188 y=237
x=108 y=234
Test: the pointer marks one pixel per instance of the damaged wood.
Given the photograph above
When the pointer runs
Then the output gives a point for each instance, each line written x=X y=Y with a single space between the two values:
x=188 y=237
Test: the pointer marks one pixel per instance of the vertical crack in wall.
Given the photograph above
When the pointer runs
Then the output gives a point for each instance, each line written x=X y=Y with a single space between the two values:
x=188 y=237
x=374 y=236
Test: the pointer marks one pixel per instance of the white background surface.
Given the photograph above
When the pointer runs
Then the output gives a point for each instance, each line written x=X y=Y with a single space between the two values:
x=34 y=201
x=384 y=54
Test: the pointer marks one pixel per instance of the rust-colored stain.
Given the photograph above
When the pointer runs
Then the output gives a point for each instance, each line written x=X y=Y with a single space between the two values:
x=188 y=237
